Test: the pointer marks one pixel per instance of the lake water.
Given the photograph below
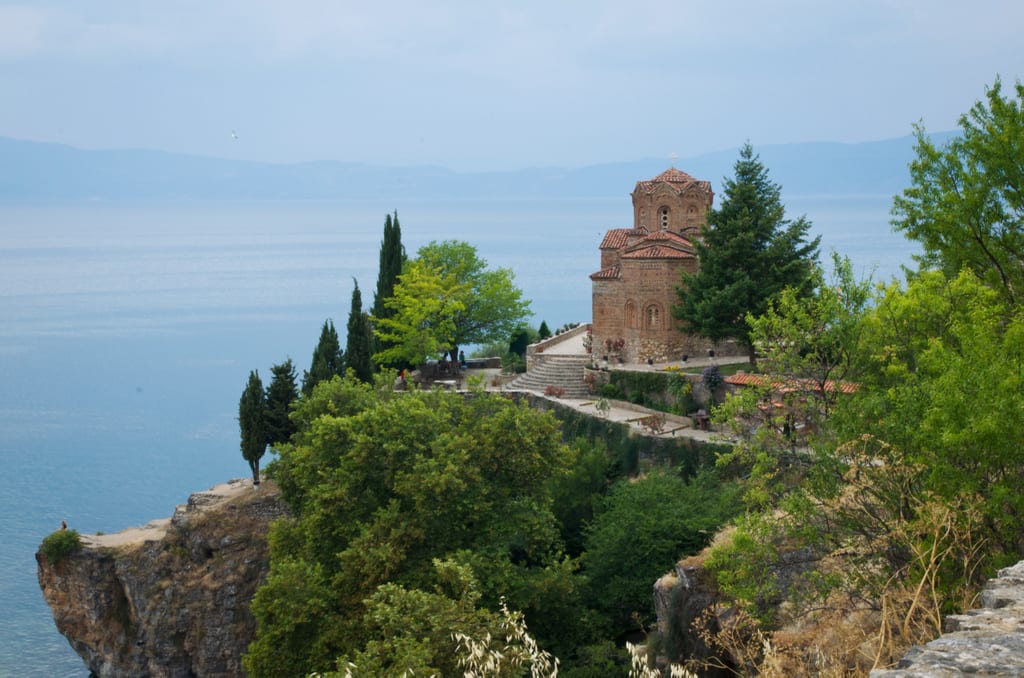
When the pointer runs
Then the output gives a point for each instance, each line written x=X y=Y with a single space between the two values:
x=127 y=333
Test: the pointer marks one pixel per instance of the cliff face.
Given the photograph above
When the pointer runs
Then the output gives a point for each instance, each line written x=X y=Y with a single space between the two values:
x=171 y=598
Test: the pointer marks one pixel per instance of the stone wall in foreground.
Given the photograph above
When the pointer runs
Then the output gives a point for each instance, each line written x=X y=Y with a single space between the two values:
x=988 y=641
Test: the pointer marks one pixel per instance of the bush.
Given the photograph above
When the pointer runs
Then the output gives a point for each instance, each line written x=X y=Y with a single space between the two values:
x=60 y=544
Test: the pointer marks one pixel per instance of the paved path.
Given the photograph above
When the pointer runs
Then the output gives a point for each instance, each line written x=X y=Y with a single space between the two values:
x=675 y=425
x=621 y=412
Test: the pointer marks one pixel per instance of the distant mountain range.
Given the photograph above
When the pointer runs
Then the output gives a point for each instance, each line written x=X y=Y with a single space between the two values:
x=33 y=171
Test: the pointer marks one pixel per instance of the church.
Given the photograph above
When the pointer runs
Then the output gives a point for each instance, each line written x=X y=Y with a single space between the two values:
x=641 y=267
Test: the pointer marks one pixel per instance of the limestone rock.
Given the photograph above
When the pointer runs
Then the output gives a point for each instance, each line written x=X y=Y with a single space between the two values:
x=983 y=642
x=171 y=598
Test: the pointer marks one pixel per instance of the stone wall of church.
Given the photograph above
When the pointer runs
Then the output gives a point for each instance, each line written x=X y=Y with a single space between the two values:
x=637 y=308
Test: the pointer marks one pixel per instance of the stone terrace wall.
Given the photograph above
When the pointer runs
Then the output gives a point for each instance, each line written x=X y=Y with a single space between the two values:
x=988 y=641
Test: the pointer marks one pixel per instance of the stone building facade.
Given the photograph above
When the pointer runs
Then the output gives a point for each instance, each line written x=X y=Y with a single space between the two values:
x=641 y=267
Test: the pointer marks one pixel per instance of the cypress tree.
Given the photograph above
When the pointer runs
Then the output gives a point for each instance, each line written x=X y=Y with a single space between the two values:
x=358 y=348
x=252 y=424
x=327 y=359
x=392 y=260
x=281 y=393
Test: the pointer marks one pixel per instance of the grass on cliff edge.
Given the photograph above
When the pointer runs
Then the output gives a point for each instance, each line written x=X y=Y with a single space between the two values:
x=60 y=544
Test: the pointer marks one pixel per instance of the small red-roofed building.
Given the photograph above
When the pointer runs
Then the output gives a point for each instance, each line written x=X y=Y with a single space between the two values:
x=641 y=267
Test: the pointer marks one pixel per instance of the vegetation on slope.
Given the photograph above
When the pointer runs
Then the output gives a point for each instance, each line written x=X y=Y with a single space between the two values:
x=418 y=513
x=900 y=498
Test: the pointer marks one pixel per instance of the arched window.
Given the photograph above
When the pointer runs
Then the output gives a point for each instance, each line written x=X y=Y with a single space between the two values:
x=691 y=218
x=653 y=317
x=663 y=216
x=632 y=322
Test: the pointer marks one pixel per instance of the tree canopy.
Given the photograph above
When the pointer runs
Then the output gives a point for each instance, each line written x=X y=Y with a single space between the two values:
x=748 y=253
x=907 y=497
x=383 y=490
x=328 y=360
x=281 y=393
x=965 y=204
x=446 y=298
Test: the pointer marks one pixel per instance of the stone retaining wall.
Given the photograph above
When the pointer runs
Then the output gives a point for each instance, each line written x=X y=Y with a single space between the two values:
x=988 y=641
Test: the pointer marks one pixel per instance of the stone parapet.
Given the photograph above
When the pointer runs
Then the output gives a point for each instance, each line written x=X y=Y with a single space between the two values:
x=988 y=641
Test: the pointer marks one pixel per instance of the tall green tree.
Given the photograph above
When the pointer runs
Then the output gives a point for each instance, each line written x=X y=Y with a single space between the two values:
x=252 y=423
x=965 y=204
x=484 y=305
x=327 y=361
x=359 y=342
x=392 y=260
x=281 y=393
x=392 y=263
x=748 y=253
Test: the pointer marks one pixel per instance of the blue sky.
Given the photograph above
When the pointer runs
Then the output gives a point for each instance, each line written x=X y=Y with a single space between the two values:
x=481 y=85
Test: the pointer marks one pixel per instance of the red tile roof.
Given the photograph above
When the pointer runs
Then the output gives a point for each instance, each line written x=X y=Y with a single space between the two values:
x=747 y=379
x=657 y=252
x=610 y=273
x=616 y=238
x=669 y=235
x=675 y=179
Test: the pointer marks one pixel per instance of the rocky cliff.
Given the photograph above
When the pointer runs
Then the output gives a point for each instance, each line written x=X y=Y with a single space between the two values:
x=170 y=598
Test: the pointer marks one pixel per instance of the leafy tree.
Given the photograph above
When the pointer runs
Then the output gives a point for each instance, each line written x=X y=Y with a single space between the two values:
x=945 y=371
x=544 y=331
x=327 y=359
x=965 y=204
x=281 y=393
x=809 y=347
x=447 y=298
x=359 y=341
x=748 y=253
x=381 y=487
x=422 y=321
x=252 y=422
x=814 y=339
x=643 y=529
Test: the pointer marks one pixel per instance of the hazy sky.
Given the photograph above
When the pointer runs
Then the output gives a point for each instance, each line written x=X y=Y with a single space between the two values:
x=493 y=85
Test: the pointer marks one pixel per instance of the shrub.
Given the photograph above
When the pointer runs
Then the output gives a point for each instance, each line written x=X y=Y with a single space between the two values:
x=60 y=544
x=611 y=391
x=556 y=391
x=712 y=377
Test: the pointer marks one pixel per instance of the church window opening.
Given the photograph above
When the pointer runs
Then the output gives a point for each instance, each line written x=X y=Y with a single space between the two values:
x=663 y=213
x=631 y=315
x=653 y=317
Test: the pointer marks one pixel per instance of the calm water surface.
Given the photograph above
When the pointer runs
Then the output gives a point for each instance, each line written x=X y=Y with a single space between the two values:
x=127 y=333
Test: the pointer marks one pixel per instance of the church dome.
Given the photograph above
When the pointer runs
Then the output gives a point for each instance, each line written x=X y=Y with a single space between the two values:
x=675 y=179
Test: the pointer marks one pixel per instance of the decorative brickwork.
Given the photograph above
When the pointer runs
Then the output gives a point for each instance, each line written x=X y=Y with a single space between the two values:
x=642 y=266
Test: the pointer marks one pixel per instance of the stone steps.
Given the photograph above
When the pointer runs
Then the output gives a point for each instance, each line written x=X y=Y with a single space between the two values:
x=563 y=371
